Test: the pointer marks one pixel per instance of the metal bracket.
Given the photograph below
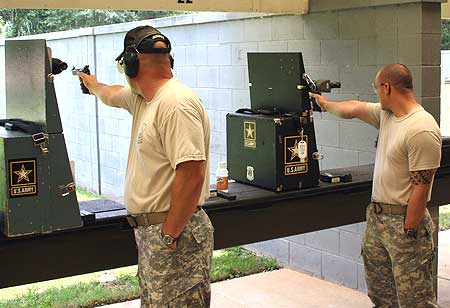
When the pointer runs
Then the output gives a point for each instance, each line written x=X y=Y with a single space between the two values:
x=278 y=121
x=303 y=120
x=50 y=77
x=67 y=189
x=41 y=140
x=317 y=156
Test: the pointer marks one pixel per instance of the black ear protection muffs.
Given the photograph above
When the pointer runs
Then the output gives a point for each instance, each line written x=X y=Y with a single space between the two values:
x=128 y=59
x=171 y=61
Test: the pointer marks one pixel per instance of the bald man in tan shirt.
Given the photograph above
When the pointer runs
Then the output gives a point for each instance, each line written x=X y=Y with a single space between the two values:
x=398 y=245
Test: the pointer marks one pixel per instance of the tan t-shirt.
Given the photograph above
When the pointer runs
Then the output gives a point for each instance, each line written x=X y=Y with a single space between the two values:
x=409 y=143
x=170 y=129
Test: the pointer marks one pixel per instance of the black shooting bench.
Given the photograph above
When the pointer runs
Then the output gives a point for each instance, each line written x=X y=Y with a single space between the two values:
x=256 y=215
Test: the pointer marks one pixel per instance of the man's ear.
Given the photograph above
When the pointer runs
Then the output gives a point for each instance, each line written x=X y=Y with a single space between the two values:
x=388 y=88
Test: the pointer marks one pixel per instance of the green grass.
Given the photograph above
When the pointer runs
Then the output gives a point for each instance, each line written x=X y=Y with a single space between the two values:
x=88 y=290
x=91 y=294
x=84 y=195
x=444 y=217
x=237 y=262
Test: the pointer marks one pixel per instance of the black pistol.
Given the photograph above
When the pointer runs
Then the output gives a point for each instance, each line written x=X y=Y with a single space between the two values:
x=319 y=86
x=83 y=70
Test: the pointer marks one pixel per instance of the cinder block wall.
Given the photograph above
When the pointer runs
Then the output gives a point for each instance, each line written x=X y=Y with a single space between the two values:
x=78 y=111
x=340 y=40
x=332 y=254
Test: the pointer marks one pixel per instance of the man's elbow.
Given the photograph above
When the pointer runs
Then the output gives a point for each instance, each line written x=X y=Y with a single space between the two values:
x=109 y=95
x=200 y=176
x=357 y=110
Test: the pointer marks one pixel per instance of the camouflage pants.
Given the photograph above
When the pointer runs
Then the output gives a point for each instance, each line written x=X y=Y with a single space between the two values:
x=176 y=277
x=398 y=268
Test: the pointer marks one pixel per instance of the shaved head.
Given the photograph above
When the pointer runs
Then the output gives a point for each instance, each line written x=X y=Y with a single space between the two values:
x=398 y=76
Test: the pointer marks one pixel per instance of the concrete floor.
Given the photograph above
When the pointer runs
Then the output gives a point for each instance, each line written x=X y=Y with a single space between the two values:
x=286 y=288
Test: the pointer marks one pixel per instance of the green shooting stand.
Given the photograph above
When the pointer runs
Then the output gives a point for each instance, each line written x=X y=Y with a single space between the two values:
x=37 y=190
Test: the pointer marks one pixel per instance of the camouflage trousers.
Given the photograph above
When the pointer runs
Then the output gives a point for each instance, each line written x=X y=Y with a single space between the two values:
x=398 y=268
x=176 y=277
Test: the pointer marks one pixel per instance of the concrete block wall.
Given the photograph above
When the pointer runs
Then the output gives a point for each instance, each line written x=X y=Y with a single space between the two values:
x=332 y=254
x=77 y=111
x=210 y=56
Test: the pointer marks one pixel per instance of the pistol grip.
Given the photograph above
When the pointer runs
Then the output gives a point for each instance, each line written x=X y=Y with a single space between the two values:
x=314 y=105
x=84 y=89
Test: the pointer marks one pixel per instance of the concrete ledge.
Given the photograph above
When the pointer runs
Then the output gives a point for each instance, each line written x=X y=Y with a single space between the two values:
x=56 y=35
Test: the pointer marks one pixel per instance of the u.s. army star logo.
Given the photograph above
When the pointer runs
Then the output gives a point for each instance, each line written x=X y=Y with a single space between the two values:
x=250 y=134
x=294 y=156
x=22 y=178
x=294 y=150
x=23 y=174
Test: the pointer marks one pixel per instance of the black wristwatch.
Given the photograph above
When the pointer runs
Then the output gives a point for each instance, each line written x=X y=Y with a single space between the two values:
x=411 y=233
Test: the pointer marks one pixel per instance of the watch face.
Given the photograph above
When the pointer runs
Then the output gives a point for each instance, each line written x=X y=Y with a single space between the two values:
x=168 y=240
x=411 y=233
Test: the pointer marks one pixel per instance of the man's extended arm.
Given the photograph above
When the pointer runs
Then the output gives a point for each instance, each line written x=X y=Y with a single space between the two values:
x=421 y=181
x=186 y=190
x=345 y=109
x=106 y=93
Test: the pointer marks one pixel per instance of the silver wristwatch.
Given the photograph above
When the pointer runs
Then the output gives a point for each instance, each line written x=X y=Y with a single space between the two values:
x=167 y=239
x=411 y=233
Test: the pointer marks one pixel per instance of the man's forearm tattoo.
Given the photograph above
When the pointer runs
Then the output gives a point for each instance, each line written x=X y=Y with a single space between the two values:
x=421 y=177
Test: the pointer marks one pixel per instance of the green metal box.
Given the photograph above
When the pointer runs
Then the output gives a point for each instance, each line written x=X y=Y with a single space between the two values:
x=36 y=191
x=263 y=150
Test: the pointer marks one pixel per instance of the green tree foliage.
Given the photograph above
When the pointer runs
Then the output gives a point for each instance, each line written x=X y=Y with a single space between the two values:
x=445 y=34
x=19 y=22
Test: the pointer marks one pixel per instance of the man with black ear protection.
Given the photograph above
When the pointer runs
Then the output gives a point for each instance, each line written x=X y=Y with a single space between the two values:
x=128 y=62
x=167 y=172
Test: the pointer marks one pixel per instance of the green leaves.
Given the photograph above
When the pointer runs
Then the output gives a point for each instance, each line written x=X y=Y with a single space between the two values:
x=445 y=34
x=20 y=22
